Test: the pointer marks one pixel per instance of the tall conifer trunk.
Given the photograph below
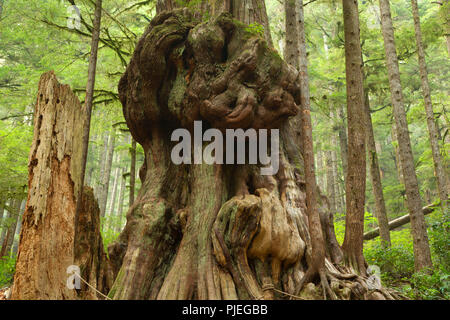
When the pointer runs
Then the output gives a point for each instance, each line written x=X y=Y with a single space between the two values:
x=355 y=183
x=439 y=172
x=422 y=255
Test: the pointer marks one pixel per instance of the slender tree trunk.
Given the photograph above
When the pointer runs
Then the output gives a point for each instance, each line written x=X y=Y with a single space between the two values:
x=132 y=172
x=123 y=180
x=113 y=183
x=320 y=176
x=107 y=175
x=9 y=237
x=92 y=160
x=341 y=195
x=6 y=217
x=336 y=177
x=89 y=99
x=398 y=163
x=112 y=203
x=356 y=174
x=422 y=256
x=445 y=13
x=18 y=228
x=331 y=191
x=317 y=266
x=2 y=217
x=102 y=157
x=291 y=49
x=375 y=178
x=439 y=172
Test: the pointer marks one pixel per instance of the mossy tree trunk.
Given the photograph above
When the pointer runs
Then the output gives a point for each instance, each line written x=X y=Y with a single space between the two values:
x=218 y=231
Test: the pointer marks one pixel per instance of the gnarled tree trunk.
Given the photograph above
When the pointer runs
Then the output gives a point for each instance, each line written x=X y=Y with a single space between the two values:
x=215 y=231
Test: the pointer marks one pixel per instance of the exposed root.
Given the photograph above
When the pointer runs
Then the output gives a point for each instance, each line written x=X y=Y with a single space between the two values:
x=326 y=287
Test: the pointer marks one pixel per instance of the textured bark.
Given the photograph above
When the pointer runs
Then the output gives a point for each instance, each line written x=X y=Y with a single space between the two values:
x=439 y=172
x=246 y=11
x=291 y=49
x=398 y=222
x=375 y=178
x=216 y=231
x=422 y=255
x=46 y=247
x=46 y=239
x=320 y=229
x=355 y=184
x=89 y=253
x=333 y=249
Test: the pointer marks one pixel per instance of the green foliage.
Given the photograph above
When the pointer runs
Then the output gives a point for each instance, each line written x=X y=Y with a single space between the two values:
x=255 y=28
x=7 y=269
x=108 y=232
x=397 y=262
x=339 y=224
x=438 y=230
x=434 y=286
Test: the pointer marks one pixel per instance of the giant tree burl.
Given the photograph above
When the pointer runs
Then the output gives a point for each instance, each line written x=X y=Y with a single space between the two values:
x=212 y=231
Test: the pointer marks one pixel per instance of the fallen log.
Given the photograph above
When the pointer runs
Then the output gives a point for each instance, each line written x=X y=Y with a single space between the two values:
x=398 y=222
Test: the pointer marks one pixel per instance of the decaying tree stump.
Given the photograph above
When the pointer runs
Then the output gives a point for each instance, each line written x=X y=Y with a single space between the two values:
x=89 y=254
x=46 y=246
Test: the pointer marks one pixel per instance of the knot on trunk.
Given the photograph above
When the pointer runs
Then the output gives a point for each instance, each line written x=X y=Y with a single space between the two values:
x=219 y=71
